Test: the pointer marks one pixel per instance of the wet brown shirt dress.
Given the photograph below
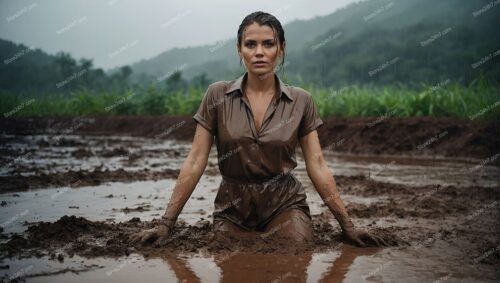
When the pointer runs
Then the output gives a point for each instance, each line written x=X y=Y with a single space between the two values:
x=257 y=182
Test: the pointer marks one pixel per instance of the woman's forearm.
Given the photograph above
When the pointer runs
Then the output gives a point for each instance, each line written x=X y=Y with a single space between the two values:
x=326 y=187
x=189 y=175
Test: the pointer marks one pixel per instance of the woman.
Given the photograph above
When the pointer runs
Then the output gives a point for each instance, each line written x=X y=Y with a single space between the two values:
x=257 y=121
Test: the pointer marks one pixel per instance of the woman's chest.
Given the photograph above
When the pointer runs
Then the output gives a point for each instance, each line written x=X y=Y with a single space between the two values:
x=264 y=121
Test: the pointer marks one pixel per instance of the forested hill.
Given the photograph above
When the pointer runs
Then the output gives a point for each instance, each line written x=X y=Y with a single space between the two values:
x=416 y=40
x=374 y=42
x=29 y=69
x=407 y=41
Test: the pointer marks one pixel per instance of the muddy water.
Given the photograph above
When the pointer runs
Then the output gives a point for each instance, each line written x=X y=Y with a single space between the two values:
x=451 y=239
x=37 y=154
x=416 y=171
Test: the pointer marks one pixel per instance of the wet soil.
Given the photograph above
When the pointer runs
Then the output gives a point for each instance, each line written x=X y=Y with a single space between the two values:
x=462 y=216
x=435 y=211
x=371 y=135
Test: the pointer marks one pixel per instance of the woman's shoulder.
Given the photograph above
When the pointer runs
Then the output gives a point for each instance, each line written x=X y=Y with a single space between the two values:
x=217 y=89
x=298 y=92
x=219 y=85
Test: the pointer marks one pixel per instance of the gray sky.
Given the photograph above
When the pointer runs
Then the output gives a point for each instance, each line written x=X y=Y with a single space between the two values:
x=118 y=32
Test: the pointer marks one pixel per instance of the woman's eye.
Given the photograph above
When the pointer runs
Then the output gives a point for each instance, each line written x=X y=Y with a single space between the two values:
x=266 y=44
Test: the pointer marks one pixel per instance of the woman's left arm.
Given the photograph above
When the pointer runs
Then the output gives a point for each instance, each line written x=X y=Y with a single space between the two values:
x=324 y=183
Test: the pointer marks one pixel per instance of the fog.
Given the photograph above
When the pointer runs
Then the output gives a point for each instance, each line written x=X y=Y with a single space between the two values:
x=117 y=32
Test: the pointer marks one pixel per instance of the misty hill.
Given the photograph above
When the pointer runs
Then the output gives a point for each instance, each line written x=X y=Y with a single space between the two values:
x=28 y=69
x=375 y=42
x=371 y=42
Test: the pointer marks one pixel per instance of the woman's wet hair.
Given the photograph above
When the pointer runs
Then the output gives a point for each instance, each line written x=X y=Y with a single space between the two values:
x=263 y=18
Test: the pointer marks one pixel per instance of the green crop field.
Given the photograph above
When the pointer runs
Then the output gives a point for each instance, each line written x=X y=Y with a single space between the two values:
x=479 y=100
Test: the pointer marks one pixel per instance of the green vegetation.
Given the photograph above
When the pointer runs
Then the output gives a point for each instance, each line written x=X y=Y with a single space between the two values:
x=479 y=101
x=432 y=41
x=427 y=41
x=371 y=58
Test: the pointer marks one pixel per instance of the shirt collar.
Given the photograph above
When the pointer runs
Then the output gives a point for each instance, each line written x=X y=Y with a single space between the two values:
x=237 y=84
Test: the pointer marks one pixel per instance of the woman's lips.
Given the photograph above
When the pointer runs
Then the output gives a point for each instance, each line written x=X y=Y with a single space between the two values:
x=260 y=64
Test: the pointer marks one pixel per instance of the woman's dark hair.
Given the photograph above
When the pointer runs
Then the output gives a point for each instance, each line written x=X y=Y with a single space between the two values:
x=263 y=18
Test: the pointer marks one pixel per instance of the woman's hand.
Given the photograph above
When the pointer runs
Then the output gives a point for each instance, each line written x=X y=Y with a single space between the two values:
x=363 y=238
x=157 y=235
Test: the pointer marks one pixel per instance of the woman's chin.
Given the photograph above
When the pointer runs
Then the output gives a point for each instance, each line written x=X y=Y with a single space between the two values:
x=261 y=71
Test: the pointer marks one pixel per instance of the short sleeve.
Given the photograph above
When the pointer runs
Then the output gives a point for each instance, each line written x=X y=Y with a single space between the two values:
x=310 y=118
x=206 y=115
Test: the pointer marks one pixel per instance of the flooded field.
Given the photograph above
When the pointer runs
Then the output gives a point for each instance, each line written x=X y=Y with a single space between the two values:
x=69 y=202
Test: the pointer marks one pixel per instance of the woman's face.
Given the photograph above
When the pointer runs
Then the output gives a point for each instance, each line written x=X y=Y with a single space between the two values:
x=258 y=45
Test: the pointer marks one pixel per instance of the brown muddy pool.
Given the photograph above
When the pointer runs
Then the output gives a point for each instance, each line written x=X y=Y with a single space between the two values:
x=445 y=209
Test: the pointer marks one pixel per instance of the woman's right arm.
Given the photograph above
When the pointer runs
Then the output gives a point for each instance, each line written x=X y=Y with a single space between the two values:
x=189 y=175
x=191 y=172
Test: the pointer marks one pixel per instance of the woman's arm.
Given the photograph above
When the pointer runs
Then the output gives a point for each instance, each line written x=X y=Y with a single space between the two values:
x=191 y=171
x=324 y=183
x=189 y=175
x=322 y=179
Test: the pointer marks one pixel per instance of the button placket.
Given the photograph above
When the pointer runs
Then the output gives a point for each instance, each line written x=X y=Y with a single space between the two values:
x=273 y=106
x=256 y=151
x=269 y=112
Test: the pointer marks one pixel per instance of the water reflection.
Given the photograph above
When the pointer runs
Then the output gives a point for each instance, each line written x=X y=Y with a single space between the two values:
x=250 y=267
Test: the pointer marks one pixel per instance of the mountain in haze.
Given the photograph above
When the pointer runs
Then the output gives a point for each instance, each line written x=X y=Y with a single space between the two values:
x=25 y=69
x=375 y=42
x=370 y=42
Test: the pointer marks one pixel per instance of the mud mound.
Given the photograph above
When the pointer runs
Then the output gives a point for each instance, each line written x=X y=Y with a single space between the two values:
x=413 y=135
x=64 y=229
x=77 y=235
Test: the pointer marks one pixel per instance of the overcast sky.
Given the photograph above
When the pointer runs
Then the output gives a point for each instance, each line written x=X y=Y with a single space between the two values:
x=118 y=32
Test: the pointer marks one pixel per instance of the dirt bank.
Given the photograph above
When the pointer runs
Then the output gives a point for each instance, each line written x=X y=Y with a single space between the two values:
x=376 y=135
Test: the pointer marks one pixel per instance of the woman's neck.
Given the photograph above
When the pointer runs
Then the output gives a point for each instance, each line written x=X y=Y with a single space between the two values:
x=260 y=84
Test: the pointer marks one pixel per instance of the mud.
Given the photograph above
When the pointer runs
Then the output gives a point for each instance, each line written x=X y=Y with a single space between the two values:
x=461 y=214
x=77 y=161
x=80 y=178
x=439 y=214
x=77 y=235
x=372 y=135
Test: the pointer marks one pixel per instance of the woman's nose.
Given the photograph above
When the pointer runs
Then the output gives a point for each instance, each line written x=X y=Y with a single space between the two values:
x=259 y=49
